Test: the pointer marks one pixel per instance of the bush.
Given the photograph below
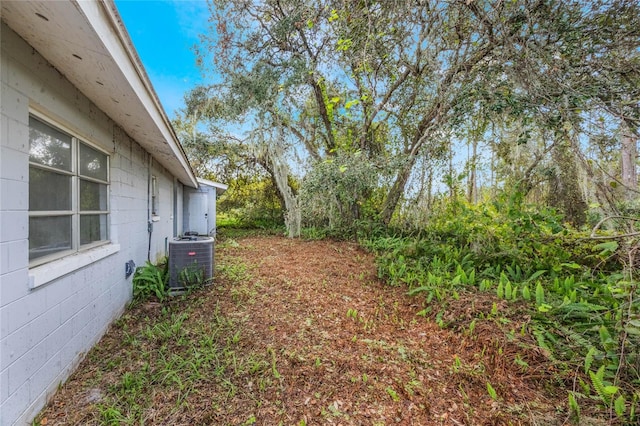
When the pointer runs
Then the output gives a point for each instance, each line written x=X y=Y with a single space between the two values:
x=338 y=193
x=250 y=203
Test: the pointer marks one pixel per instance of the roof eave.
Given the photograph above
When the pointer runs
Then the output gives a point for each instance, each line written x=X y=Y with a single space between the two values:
x=220 y=187
x=117 y=22
x=87 y=42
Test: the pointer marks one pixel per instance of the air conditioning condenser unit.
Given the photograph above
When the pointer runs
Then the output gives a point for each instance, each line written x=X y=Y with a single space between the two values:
x=190 y=262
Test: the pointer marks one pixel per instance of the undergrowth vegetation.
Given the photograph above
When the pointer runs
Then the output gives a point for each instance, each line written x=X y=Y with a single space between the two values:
x=578 y=294
x=151 y=280
x=174 y=355
x=160 y=357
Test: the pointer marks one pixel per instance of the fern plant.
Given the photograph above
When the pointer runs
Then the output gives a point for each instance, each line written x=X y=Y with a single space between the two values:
x=603 y=390
x=583 y=305
x=574 y=408
x=492 y=392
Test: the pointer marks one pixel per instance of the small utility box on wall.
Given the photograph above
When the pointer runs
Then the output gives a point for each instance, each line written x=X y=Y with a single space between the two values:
x=199 y=210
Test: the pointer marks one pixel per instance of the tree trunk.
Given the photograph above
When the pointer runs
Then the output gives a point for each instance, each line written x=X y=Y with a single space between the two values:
x=271 y=158
x=452 y=180
x=322 y=109
x=430 y=189
x=564 y=193
x=472 y=189
x=396 y=191
x=628 y=163
x=603 y=191
x=292 y=216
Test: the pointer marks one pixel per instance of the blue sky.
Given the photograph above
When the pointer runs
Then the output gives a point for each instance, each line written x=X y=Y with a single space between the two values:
x=164 y=33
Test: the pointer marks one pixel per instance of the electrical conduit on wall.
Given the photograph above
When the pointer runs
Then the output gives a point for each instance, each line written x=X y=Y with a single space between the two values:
x=149 y=221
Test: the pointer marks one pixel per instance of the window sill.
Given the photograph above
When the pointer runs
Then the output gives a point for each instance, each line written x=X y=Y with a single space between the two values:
x=43 y=274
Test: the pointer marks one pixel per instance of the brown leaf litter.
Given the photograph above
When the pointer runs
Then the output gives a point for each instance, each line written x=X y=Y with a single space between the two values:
x=332 y=345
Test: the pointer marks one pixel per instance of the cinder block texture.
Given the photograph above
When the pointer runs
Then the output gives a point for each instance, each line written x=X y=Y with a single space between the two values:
x=46 y=329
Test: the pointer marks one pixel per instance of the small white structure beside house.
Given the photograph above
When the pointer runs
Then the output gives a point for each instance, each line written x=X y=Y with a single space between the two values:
x=200 y=207
x=91 y=177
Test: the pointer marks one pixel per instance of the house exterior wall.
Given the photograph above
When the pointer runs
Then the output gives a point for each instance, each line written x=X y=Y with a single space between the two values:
x=197 y=203
x=187 y=226
x=211 y=198
x=48 y=324
x=211 y=203
x=163 y=222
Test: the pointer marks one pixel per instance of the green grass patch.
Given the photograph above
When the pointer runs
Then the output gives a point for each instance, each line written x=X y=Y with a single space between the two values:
x=161 y=358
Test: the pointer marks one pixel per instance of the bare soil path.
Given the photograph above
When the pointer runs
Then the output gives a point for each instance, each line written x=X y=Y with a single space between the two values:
x=306 y=335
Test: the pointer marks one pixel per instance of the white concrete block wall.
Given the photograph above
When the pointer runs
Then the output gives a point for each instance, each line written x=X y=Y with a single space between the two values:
x=45 y=331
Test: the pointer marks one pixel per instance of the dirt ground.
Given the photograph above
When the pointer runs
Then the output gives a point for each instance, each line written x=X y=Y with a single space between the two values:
x=337 y=347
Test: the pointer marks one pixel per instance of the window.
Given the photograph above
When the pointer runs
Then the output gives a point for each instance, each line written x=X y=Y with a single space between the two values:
x=155 y=209
x=68 y=193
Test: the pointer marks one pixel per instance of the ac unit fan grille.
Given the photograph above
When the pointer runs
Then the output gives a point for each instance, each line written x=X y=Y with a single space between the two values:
x=190 y=261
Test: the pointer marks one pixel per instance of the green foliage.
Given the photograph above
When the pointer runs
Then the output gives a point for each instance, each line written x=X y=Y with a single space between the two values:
x=492 y=392
x=339 y=193
x=584 y=308
x=574 y=408
x=603 y=390
x=607 y=248
x=620 y=406
x=589 y=357
x=150 y=280
x=235 y=272
x=274 y=370
x=393 y=394
x=191 y=276
x=493 y=245
x=500 y=291
x=526 y=293
x=539 y=294
x=508 y=291
x=110 y=415
x=172 y=353
x=314 y=233
x=251 y=202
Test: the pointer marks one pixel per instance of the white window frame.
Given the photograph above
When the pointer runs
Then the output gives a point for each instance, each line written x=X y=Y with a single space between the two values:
x=155 y=196
x=76 y=177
